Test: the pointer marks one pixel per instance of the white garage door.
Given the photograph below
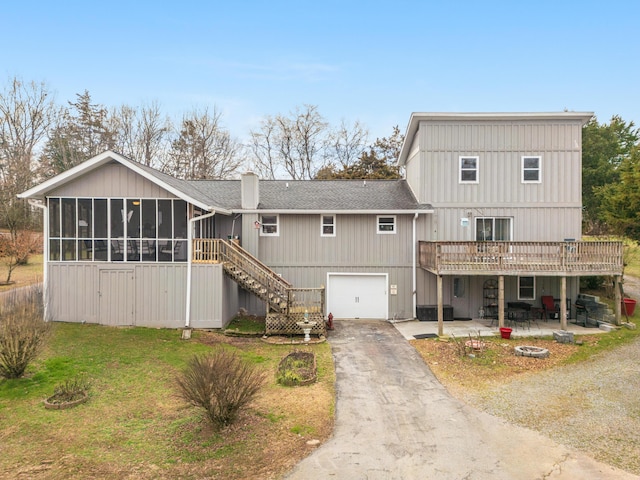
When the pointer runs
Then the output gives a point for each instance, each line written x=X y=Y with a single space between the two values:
x=357 y=295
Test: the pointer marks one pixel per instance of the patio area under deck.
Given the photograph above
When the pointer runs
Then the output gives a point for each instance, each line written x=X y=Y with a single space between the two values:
x=462 y=329
x=553 y=259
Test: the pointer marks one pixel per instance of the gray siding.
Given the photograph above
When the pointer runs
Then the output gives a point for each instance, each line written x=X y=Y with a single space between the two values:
x=81 y=292
x=303 y=257
x=542 y=224
x=356 y=243
x=113 y=180
x=500 y=146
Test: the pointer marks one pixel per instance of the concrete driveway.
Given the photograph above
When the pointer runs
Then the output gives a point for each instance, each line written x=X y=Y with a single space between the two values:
x=394 y=420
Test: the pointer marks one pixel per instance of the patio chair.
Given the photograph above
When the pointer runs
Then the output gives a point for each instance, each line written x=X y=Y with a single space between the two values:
x=551 y=309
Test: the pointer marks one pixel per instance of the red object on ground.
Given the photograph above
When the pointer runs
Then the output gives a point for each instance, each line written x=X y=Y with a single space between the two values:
x=330 y=321
x=628 y=305
x=505 y=332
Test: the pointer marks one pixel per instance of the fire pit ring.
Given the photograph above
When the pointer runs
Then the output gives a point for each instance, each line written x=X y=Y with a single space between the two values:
x=529 y=351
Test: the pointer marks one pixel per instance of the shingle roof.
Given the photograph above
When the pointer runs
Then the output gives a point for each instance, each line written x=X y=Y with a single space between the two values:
x=316 y=195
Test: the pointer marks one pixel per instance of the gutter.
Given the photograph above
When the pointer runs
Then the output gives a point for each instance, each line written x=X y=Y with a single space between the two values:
x=414 y=272
x=192 y=221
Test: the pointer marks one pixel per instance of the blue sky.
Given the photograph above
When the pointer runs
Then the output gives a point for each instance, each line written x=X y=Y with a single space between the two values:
x=372 y=61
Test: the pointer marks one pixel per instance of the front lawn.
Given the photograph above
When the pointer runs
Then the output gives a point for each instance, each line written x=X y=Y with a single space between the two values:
x=136 y=426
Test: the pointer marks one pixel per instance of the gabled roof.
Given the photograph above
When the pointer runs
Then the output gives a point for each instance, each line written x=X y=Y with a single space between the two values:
x=225 y=196
x=417 y=117
x=180 y=188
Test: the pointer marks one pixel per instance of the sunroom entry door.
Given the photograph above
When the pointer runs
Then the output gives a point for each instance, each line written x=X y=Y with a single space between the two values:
x=357 y=296
x=117 y=297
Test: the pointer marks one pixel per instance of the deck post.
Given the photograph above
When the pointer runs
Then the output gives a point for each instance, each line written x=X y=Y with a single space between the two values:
x=563 y=303
x=440 y=308
x=501 y=301
x=617 y=287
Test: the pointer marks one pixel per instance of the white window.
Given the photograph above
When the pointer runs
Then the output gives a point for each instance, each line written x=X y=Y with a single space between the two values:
x=386 y=224
x=269 y=225
x=489 y=229
x=526 y=288
x=327 y=225
x=469 y=169
x=531 y=170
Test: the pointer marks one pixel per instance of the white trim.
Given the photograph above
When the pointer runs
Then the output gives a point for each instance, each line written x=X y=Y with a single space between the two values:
x=386 y=232
x=539 y=169
x=333 y=225
x=332 y=212
x=277 y=224
x=102 y=159
x=476 y=170
x=493 y=224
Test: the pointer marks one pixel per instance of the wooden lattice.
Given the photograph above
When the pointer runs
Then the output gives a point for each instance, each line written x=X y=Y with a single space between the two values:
x=281 y=324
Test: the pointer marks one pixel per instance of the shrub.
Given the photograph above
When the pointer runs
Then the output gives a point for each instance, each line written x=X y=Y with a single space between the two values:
x=221 y=383
x=71 y=390
x=297 y=368
x=23 y=331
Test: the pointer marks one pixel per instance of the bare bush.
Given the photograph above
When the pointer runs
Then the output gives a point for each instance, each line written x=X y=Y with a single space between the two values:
x=221 y=383
x=23 y=331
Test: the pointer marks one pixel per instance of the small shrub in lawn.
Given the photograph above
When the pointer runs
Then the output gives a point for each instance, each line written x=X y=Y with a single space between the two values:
x=221 y=383
x=71 y=390
x=23 y=331
x=297 y=368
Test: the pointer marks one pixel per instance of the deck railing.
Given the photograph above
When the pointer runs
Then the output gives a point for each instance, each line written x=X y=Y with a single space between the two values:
x=512 y=258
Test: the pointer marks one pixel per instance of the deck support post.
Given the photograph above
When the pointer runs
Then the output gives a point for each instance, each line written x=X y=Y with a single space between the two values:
x=563 y=303
x=440 y=307
x=501 y=301
x=617 y=287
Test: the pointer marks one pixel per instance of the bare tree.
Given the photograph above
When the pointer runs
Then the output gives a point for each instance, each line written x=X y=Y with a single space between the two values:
x=203 y=148
x=142 y=134
x=295 y=146
x=26 y=112
x=347 y=143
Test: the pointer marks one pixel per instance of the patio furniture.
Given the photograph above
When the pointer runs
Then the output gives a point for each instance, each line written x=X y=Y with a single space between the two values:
x=551 y=308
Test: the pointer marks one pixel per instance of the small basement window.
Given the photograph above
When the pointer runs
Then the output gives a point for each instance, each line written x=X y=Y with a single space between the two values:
x=526 y=288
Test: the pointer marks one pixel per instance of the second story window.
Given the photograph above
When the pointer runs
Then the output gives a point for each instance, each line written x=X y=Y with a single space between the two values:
x=469 y=170
x=327 y=225
x=531 y=170
x=269 y=225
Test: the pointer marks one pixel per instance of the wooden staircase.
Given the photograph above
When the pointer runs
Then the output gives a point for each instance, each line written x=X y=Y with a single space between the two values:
x=255 y=277
x=286 y=305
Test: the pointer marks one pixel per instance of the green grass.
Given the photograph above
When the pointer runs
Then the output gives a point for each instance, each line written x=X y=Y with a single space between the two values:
x=247 y=324
x=134 y=416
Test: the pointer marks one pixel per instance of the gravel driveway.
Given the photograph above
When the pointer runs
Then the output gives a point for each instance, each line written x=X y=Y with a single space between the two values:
x=593 y=406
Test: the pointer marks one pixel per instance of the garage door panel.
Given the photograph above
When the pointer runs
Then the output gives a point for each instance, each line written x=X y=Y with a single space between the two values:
x=357 y=296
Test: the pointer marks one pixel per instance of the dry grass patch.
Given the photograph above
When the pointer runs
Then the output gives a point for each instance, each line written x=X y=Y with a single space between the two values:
x=496 y=364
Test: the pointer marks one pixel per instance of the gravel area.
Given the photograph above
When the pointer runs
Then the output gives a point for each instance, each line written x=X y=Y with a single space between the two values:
x=593 y=406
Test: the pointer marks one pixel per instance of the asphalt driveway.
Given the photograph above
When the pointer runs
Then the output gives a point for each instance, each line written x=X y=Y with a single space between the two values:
x=394 y=420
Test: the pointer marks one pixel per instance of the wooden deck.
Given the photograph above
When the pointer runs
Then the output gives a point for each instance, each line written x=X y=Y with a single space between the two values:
x=522 y=258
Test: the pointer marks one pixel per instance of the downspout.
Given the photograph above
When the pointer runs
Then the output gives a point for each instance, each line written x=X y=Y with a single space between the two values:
x=414 y=273
x=45 y=255
x=192 y=221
